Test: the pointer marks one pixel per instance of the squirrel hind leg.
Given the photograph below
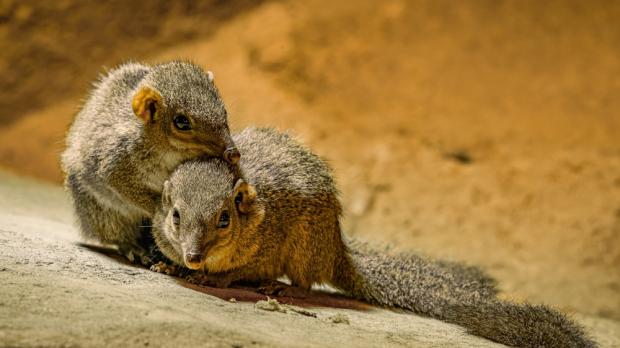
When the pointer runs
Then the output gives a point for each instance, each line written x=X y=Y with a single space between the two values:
x=86 y=210
x=108 y=226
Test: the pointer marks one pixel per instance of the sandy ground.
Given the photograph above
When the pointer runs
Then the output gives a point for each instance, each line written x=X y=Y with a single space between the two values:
x=485 y=133
x=56 y=293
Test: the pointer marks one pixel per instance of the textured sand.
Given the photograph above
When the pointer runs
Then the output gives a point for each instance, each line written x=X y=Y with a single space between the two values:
x=57 y=293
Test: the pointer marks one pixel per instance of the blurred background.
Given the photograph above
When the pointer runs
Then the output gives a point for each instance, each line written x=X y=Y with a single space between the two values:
x=481 y=131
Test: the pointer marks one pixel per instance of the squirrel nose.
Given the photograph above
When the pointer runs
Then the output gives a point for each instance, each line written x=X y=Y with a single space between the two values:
x=193 y=260
x=232 y=155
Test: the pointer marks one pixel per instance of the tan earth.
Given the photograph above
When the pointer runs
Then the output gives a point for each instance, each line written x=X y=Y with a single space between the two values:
x=484 y=132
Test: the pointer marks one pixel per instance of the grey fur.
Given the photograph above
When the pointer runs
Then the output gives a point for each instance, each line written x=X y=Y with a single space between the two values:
x=412 y=284
x=116 y=163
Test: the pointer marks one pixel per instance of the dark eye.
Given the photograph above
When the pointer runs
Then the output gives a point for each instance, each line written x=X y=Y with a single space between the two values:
x=182 y=122
x=224 y=220
x=176 y=217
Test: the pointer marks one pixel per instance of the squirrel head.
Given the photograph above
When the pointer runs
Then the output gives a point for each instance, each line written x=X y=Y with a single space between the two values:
x=179 y=105
x=209 y=218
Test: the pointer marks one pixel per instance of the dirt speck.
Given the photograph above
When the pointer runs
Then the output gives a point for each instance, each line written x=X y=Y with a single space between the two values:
x=339 y=319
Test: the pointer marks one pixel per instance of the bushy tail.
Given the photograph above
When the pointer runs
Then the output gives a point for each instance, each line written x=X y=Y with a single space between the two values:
x=519 y=325
x=456 y=294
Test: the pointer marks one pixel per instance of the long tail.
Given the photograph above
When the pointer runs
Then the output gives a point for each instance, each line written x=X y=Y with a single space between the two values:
x=519 y=325
x=455 y=294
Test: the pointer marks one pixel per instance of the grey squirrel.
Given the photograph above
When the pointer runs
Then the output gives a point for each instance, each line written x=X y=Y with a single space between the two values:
x=137 y=125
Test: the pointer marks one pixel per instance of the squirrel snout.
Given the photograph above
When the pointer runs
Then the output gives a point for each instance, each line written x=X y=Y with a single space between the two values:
x=193 y=260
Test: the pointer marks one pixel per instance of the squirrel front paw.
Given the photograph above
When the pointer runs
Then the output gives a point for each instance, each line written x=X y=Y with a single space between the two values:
x=137 y=255
x=162 y=267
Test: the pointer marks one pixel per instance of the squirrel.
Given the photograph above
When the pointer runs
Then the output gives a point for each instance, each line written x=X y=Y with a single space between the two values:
x=137 y=125
x=281 y=218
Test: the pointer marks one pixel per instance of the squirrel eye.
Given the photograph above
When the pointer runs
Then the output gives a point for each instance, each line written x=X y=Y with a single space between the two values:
x=181 y=122
x=176 y=217
x=224 y=220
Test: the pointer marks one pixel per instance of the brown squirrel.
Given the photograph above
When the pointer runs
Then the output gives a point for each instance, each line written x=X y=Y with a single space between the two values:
x=284 y=221
x=138 y=123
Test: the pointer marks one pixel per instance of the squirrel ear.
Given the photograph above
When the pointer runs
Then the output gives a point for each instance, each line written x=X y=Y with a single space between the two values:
x=210 y=76
x=146 y=103
x=245 y=196
x=165 y=194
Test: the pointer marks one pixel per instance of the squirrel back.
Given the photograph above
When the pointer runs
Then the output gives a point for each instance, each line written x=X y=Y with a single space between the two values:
x=282 y=219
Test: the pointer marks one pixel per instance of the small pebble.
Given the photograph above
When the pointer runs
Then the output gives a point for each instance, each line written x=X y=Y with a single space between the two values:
x=339 y=319
x=301 y=311
x=271 y=305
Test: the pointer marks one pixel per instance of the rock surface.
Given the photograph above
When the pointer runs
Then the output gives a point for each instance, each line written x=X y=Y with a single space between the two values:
x=56 y=292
